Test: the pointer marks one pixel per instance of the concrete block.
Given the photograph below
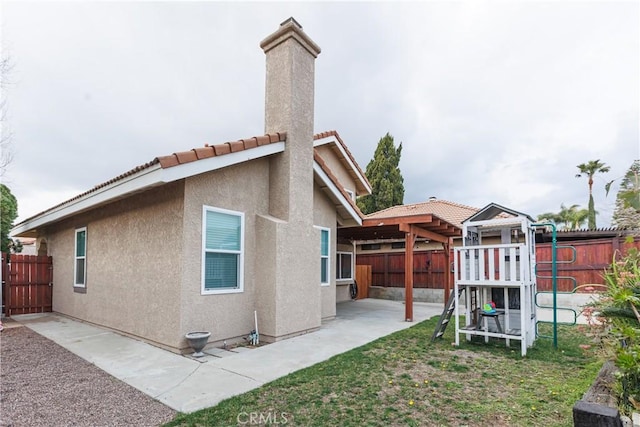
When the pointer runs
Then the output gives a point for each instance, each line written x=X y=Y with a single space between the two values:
x=587 y=414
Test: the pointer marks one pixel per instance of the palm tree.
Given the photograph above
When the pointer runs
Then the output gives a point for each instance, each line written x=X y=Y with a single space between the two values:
x=571 y=218
x=589 y=169
x=575 y=217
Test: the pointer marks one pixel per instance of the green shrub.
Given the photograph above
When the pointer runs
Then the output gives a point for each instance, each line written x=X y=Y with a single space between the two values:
x=615 y=318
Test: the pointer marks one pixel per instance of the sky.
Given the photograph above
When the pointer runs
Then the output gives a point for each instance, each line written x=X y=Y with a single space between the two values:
x=492 y=101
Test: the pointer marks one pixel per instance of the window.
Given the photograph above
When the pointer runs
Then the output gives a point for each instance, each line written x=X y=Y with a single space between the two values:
x=397 y=245
x=324 y=256
x=223 y=251
x=80 y=267
x=344 y=265
x=370 y=246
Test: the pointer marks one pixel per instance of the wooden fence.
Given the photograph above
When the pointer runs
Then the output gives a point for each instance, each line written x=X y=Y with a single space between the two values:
x=387 y=269
x=26 y=284
x=592 y=257
x=580 y=262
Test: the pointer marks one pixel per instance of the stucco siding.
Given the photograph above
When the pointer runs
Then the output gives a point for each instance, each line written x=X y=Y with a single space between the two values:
x=241 y=188
x=266 y=271
x=324 y=215
x=342 y=293
x=337 y=167
x=132 y=263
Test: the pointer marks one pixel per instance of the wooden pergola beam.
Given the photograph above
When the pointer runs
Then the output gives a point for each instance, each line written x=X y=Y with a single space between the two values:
x=421 y=232
x=415 y=219
x=444 y=227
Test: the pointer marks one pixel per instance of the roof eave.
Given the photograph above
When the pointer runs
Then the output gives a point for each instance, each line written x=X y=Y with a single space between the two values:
x=336 y=193
x=361 y=178
x=140 y=181
x=494 y=207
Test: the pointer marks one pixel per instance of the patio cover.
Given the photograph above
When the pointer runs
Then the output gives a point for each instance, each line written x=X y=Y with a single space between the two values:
x=409 y=227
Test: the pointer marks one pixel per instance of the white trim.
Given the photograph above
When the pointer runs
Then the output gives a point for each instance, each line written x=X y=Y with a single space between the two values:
x=328 y=230
x=218 y=162
x=339 y=264
x=240 y=288
x=329 y=139
x=76 y=257
x=146 y=178
x=497 y=222
x=336 y=192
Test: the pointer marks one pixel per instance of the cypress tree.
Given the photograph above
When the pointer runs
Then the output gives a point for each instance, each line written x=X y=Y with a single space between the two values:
x=386 y=180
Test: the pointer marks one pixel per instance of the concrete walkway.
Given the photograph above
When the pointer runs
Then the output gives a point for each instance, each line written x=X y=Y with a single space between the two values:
x=187 y=385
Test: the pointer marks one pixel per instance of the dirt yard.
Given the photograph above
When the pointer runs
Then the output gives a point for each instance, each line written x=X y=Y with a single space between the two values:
x=43 y=384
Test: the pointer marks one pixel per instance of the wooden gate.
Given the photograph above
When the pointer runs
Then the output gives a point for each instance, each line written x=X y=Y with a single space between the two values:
x=363 y=279
x=26 y=284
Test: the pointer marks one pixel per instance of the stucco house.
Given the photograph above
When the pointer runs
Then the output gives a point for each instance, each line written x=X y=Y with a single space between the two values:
x=264 y=211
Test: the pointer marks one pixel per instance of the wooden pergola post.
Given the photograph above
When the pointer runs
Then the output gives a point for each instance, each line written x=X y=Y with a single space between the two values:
x=411 y=233
x=425 y=226
x=447 y=269
x=410 y=239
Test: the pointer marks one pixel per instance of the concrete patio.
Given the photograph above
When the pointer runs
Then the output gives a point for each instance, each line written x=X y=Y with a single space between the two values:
x=187 y=385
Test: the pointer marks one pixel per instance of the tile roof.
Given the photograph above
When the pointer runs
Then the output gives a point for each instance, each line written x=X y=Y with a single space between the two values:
x=451 y=212
x=207 y=151
x=344 y=146
x=179 y=158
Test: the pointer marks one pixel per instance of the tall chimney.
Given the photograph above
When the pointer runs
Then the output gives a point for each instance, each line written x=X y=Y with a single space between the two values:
x=289 y=102
x=288 y=296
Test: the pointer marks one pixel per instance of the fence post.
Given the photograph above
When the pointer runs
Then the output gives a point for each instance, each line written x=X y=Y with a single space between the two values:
x=2 y=285
x=615 y=245
x=386 y=269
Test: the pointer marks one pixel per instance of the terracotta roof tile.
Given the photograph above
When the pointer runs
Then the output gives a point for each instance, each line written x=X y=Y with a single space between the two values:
x=274 y=137
x=262 y=140
x=97 y=187
x=207 y=151
x=204 y=152
x=451 y=212
x=186 y=156
x=252 y=142
x=236 y=146
x=168 y=161
x=222 y=149
x=176 y=159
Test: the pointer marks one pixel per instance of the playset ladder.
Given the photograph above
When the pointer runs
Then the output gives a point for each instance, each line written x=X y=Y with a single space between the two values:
x=448 y=311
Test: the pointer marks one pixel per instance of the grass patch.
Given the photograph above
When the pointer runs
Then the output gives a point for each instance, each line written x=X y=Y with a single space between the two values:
x=405 y=380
